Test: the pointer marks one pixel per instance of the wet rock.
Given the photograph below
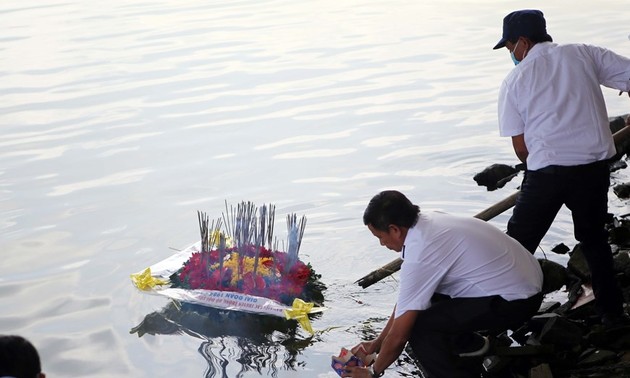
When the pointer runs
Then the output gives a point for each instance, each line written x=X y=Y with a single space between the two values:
x=494 y=365
x=622 y=190
x=621 y=266
x=596 y=357
x=560 y=249
x=562 y=332
x=555 y=276
x=495 y=176
x=617 y=123
x=619 y=235
x=622 y=262
x=577 y=264
x=541 y=371
x=568 y=340
x=616 y=338
x=617 y=165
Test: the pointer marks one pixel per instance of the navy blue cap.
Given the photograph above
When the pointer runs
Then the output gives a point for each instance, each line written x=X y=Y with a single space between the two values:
x=523 y=23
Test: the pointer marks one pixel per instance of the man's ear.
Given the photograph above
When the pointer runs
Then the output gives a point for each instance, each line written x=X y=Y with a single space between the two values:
x=394 y=228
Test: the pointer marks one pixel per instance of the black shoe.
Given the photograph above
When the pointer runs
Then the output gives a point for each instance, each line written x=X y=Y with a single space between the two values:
x=476 y=346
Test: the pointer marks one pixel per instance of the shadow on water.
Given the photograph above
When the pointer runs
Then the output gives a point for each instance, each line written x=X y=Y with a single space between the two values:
x=260 y=343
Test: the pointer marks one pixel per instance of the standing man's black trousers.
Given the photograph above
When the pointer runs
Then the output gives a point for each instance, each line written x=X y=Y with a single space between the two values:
x=584 y=191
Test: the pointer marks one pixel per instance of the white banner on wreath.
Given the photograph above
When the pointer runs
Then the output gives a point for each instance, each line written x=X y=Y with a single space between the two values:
x=227 y=300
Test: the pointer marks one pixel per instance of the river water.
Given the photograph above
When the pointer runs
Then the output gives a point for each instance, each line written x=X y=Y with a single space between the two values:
x=120 y=119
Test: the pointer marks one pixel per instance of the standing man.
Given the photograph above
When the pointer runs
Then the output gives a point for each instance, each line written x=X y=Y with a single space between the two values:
x=458 y=276
x=551 y=105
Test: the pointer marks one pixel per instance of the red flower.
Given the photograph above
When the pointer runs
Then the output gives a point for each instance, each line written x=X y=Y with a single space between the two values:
x=201 y=272
x=253 y=283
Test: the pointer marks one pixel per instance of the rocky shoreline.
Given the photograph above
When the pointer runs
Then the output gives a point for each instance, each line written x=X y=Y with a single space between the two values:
x=566 y=339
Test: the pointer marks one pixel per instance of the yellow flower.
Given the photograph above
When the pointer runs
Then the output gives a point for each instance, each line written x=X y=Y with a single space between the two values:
x=248 y=266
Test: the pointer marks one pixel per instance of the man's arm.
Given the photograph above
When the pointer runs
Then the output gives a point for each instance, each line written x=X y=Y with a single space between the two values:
x=518 y=142
x=391 y=346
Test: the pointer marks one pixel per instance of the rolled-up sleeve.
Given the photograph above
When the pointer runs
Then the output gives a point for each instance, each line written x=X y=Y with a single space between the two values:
x=418 y=282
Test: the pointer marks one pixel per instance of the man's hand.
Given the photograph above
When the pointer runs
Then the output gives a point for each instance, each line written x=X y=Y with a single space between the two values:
x=365 y=349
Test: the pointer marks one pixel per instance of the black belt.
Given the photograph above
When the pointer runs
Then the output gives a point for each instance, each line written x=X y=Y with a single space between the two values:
x=551 y=169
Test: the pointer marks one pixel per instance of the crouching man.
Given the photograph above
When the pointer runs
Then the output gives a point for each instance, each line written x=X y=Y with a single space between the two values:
x=459 y=276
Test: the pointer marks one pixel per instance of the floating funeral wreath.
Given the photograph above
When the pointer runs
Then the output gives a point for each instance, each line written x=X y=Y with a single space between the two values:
x=237 y=265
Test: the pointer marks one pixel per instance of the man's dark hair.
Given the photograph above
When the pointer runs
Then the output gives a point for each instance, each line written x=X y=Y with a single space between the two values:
x=390 y=207
x=18 y=357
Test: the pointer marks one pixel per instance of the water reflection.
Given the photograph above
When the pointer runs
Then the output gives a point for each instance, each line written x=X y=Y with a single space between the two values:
x=265 y=359
x=257 y=343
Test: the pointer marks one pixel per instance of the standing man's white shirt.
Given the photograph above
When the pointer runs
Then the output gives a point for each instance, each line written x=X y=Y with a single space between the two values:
x=546 y=79
x=463 y=257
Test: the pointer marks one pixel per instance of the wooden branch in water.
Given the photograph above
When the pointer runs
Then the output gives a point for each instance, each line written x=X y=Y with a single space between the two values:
x=392 y=267
x=498 y=207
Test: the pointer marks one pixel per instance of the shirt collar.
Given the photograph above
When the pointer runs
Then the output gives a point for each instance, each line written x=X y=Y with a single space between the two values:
x=539 y=49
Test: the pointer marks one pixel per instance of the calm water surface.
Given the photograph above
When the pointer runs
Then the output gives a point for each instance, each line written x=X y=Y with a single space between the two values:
x=121 y=119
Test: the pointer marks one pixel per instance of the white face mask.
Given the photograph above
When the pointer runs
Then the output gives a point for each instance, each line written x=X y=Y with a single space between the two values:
x=516 y=61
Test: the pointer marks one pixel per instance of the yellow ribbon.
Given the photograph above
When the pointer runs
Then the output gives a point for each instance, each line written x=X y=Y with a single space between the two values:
x=144 y=280
x=299 y=312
